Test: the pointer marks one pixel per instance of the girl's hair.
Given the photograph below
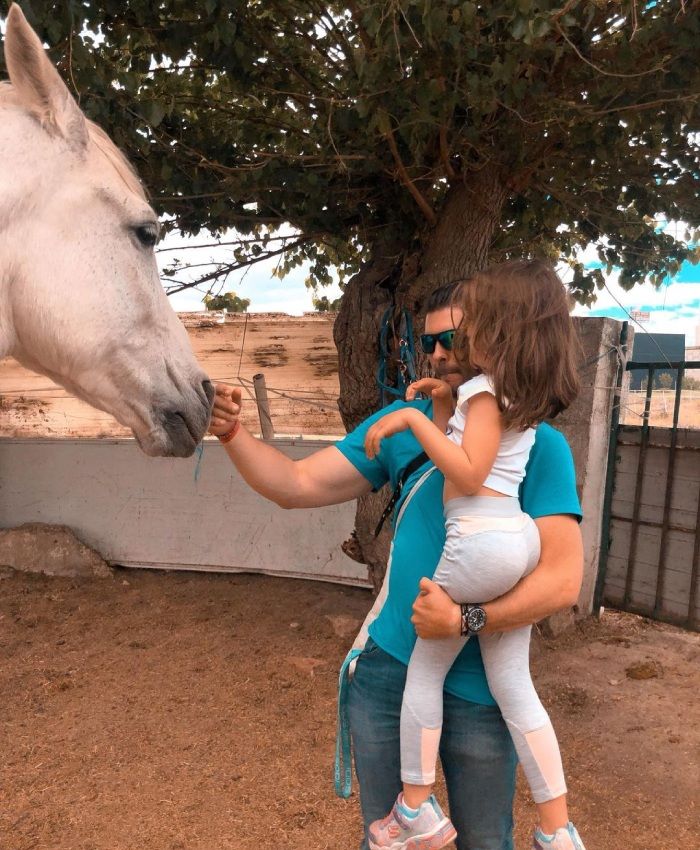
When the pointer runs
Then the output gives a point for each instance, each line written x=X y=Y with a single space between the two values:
x=517 y=324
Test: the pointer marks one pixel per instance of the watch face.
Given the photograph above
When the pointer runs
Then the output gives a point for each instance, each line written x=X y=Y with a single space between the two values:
x=476 y=619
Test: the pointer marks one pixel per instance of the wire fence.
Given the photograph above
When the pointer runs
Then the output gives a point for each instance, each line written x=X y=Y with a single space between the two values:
x=293 y=410
x=30 y=404
x=52 y=412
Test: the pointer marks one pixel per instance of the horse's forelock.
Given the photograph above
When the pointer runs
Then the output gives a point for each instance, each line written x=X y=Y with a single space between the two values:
x=116 y=159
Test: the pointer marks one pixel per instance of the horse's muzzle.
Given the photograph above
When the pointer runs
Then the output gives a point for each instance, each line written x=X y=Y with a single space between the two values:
x=186 y=425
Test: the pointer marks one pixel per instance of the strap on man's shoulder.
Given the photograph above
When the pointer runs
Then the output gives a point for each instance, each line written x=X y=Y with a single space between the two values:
x=406 y=473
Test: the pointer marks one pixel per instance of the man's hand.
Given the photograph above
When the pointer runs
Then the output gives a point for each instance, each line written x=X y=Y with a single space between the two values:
x=435 y=615
x=227 y=409
x=553 y=585
x=390 y=424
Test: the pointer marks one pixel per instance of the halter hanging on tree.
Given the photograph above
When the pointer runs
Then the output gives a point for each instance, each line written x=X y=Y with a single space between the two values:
x=397 y=355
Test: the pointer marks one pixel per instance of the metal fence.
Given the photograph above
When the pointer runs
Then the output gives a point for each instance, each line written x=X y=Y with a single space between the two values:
x=650 y=547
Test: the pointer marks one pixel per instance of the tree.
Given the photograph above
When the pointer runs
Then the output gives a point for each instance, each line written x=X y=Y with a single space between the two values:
x=407 y=142
x=664 y=381
x=228 y=301
x=690 y=383
x=324 y=304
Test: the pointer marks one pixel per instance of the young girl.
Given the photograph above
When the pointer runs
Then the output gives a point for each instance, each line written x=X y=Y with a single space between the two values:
x=517 y=340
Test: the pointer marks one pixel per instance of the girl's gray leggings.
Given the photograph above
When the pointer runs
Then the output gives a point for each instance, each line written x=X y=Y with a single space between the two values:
x=491 y=544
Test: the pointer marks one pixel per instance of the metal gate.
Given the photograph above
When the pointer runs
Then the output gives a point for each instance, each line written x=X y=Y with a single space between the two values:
x=650 y=543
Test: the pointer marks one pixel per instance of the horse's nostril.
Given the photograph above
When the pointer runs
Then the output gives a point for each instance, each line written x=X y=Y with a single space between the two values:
x=179 y=424
x=174 y=419
x=209 y=391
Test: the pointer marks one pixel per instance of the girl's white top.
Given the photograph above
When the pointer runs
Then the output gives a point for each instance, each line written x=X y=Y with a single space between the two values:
x=508 y=469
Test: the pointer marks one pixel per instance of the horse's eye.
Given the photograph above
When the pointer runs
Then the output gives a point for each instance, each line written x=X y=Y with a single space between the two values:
x=147 y=235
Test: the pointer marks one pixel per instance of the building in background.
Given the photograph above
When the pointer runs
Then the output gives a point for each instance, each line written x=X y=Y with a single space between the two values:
x=656 y=348
x=692 y=354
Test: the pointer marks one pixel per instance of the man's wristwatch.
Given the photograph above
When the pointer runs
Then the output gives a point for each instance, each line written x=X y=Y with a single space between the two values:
x=473 y=619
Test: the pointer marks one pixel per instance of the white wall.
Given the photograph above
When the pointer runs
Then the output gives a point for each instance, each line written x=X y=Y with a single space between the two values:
x=150 y=512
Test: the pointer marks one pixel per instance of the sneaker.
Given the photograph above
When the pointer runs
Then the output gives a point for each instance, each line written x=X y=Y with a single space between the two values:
x=430 y=829
x=565 y=838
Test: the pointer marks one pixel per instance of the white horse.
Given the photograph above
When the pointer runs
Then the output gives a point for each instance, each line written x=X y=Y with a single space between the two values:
x=80 y=296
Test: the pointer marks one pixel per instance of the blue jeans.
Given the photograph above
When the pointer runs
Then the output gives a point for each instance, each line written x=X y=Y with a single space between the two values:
x=476 y=751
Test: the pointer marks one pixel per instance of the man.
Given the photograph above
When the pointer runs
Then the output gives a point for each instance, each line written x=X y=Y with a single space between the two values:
x=476 y=750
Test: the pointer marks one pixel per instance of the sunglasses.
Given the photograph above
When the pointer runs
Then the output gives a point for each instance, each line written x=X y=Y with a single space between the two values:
x=445 y=338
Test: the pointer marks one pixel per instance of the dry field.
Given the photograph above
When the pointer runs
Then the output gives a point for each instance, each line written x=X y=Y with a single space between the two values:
x=298 y=358
x=661 y=410
x=163 y=711
x=296 y=355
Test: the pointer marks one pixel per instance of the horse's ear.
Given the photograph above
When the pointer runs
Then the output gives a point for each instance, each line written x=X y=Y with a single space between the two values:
x=38 y=84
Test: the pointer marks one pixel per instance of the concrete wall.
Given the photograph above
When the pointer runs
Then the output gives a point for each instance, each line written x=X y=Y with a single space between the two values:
x=150 y=512
x=587 y=427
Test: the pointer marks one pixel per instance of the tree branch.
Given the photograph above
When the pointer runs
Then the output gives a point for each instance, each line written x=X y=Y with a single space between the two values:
x=601 y=70
x=445 y=154
x=424 y=206
x=364 y=36
x=227 y=268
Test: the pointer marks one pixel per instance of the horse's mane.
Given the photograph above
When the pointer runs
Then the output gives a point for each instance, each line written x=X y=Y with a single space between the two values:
x=116 y=158
x=98 y=137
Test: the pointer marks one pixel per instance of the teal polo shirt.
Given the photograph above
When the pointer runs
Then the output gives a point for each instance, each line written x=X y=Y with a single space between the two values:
x=549 y=488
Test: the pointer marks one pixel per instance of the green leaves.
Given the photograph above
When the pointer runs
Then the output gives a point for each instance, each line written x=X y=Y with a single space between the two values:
x=324 y=304
x=260 y=115
x=228 y=301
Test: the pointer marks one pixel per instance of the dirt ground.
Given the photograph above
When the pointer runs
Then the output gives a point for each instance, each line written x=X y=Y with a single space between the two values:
x=296 y=354
x=182 y=711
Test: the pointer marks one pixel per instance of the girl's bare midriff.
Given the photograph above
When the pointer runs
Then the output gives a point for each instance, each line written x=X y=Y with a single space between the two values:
x=451 y=491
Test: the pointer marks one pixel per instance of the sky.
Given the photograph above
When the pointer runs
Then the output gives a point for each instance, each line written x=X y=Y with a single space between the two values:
x=266 y=292
x=673 y=308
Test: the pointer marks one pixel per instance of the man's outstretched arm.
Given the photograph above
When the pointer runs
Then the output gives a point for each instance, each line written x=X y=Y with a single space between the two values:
x=553 y=585
x=324 y=478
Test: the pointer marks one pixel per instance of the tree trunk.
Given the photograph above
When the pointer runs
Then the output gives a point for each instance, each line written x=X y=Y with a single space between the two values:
x=356 y=334
x=460 y=242
x=457 y=246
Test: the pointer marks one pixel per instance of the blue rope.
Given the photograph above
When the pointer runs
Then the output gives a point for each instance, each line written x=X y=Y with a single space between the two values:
x=343 y=754
x=199 y=452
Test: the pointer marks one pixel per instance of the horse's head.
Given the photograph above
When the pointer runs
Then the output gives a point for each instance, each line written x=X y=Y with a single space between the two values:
x=81 y=298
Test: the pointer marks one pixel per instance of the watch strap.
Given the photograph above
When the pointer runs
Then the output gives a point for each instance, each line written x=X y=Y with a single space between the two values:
x=464 y=619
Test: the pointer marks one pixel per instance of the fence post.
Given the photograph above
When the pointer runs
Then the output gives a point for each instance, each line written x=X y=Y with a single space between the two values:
x=610 y=472
x=268 y=432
